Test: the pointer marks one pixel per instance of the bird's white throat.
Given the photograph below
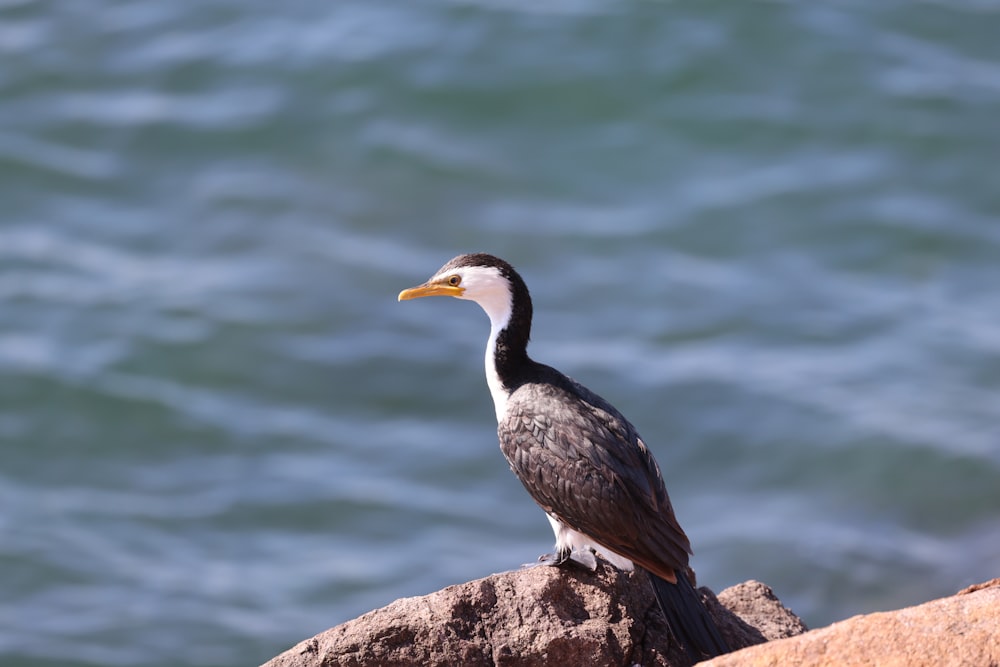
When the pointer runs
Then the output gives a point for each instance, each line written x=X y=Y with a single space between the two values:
x=493 y=293
x=498 y=322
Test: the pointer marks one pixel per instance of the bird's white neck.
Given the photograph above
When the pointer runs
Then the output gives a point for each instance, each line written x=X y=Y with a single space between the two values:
x=495 y=295
x=499 y=310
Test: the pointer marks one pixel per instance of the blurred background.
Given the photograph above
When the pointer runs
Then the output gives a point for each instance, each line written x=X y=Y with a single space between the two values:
x=768 y=232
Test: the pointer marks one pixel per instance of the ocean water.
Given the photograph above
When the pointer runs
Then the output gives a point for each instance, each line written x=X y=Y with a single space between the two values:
x=769 y=232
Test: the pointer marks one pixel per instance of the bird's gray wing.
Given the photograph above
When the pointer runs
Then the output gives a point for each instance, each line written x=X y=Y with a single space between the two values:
x=584 y=463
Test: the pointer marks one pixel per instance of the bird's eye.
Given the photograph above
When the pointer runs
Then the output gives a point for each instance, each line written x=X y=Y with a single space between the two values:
x=454 y=280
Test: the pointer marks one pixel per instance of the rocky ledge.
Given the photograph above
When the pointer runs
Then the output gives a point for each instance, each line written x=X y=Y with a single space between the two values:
x=566 y=616
x=963 y=629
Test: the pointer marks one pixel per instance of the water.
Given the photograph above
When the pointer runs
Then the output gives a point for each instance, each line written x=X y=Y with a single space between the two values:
x=768 y=232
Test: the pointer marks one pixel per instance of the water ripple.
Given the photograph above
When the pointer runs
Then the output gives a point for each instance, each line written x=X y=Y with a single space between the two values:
x=25 y=152
x=786 y=281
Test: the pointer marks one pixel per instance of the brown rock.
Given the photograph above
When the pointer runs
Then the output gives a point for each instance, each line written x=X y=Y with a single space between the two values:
x=534 y=616
x=757 y=604
x=959 y=630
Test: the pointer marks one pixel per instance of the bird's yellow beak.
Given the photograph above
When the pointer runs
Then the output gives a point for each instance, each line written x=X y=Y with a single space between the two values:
x=431 y=289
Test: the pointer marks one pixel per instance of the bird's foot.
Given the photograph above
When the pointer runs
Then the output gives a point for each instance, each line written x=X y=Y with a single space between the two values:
x=585 y=558
x=556 y=558
x=581 y=557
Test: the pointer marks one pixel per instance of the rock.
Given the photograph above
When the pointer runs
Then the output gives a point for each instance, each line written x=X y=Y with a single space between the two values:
x=757 y=604
x=536 y=616
x=960 y=630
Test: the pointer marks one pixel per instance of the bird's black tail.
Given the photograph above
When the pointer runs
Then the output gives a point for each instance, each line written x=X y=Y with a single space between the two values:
x=689 y=620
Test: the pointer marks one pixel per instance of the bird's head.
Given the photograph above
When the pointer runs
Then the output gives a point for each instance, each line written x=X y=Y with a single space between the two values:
x=485 y=279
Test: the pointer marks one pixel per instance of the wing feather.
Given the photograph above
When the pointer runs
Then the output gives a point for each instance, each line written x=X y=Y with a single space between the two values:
x=585 y=464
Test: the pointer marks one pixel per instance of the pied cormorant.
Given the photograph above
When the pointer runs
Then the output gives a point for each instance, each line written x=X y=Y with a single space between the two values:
x=577 y=456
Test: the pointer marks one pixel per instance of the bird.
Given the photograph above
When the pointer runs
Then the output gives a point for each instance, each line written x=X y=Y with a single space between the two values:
x=577 y=456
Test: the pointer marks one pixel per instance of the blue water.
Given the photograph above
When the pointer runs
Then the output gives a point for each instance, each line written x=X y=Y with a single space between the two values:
x=768 y=232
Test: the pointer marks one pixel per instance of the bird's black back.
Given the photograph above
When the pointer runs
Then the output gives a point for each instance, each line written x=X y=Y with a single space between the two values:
x=585 y=464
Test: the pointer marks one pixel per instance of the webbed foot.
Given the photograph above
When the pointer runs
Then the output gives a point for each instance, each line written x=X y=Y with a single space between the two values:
x=581 y=557
x=584 y=557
